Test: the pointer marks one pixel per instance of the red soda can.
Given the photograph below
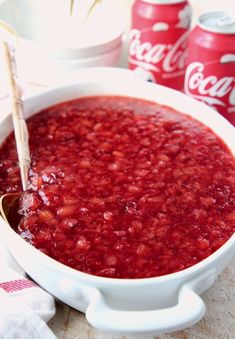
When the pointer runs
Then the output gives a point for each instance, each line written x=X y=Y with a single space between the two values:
x=158 y=40
x=210 y=73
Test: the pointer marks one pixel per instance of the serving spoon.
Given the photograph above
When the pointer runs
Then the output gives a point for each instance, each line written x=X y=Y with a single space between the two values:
x=7 y=201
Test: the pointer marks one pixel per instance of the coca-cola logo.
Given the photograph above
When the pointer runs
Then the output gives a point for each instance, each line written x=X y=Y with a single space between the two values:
x=185 y=17
x=160 y=57
x=209 y=88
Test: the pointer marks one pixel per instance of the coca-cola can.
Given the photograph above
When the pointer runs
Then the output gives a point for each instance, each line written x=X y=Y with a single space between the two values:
x=210 y=73
x=158 y=40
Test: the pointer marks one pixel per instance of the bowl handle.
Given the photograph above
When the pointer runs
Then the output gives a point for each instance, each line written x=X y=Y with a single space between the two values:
x=189 y=310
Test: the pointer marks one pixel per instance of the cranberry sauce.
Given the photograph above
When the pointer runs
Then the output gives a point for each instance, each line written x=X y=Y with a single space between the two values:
x=123 y=188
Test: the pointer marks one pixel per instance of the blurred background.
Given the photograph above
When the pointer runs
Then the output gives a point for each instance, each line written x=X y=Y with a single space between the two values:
x=51 y=44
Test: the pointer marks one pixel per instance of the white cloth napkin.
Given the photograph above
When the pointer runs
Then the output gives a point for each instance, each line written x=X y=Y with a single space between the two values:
x=24 y=306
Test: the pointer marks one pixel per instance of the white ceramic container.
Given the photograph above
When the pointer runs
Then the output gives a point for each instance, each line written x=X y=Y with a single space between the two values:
x=124 y=306
x=51 y=44
x=40 y=66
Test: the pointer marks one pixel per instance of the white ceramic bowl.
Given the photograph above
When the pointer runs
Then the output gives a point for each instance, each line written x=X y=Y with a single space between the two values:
x=153 y=305
x=50 y=47
x=37 y=65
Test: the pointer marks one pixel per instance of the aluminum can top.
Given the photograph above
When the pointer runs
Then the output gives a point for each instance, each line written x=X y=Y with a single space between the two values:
x=217 y=22
x=164 y=2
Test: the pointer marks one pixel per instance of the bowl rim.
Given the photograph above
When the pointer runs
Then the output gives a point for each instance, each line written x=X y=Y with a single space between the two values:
x=187 y=272
x=198 y=267
x=73 y=53
x=94 y=57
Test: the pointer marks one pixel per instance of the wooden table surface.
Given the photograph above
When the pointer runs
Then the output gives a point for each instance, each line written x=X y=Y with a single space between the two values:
x=218 y=323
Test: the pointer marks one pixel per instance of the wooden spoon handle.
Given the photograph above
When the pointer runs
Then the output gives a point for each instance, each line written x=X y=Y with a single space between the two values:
x=20 y=127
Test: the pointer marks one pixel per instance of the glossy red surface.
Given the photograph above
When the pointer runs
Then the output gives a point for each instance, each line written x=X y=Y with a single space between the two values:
x=123 y=188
